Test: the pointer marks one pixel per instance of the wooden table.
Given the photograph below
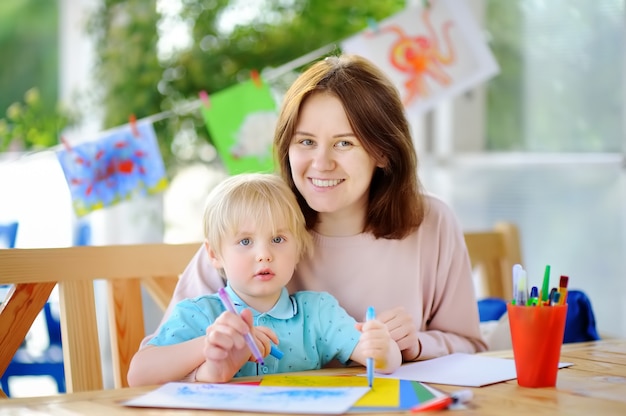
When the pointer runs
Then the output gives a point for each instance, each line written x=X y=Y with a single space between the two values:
x=594 y=385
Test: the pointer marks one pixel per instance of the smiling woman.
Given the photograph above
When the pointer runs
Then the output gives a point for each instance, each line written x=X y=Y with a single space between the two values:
x=379 y=239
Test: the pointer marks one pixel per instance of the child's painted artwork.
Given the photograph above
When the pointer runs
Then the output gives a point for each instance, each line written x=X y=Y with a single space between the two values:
x=251 y=398
x=431 y=53
x=241 y=122
x=115 y=167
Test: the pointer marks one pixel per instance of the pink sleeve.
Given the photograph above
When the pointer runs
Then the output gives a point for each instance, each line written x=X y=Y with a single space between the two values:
x=454 y=323
x=199 y=278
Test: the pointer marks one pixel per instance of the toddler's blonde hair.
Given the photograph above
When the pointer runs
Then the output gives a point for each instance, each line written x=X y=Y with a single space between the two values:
x=262 y=197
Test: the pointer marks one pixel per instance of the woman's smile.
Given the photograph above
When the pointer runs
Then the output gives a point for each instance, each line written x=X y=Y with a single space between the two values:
x=326 y=183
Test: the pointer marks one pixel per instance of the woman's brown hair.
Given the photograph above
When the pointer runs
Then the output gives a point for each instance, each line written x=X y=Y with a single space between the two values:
x=372 y=104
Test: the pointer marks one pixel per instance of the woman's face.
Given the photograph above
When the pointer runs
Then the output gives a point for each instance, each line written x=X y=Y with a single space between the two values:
x=329 y=166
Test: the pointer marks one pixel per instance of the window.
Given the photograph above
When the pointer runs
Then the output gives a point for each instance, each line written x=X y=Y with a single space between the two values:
x=561 y=86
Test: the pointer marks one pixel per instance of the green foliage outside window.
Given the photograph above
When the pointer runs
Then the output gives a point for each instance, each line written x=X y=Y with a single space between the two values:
x=134 y=80
x=29 y=115
x=32 y=124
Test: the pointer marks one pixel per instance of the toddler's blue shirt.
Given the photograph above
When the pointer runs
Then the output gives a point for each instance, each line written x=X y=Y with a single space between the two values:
x=313 y=329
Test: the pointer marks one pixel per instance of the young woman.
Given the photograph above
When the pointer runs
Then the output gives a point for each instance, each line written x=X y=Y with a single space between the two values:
x=343 y=145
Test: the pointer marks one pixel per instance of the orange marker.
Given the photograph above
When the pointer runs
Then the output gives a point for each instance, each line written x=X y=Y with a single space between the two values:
x=461 y=396
x=439 y=404
x=563 y=290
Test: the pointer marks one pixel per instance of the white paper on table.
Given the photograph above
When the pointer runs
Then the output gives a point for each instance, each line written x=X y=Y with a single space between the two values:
x=468 y=370
x=251 y=398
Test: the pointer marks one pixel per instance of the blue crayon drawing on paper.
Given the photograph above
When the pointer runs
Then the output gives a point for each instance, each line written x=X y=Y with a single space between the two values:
x=113 y=168
x=251 y=398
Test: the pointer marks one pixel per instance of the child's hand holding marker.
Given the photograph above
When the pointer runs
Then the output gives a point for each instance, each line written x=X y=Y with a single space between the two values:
x=545 y=297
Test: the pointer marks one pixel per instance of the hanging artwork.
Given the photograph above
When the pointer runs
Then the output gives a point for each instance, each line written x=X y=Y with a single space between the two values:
x=431 y=51
x=241 y=121
x=113 y=168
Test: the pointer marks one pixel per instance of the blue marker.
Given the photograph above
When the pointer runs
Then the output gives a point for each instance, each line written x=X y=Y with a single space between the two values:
x=275 y=352
x=370 y=361
x=533 y=300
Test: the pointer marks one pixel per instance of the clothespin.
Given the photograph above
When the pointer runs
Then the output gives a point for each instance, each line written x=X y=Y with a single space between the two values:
x=66 y=144
x=204 y=97
x=69 y=149
x=372 y=24
x=256 y=78
x=132 y=120
x=80 y=159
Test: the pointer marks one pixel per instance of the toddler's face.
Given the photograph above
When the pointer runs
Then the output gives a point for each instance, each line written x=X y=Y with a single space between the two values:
x=258 y=261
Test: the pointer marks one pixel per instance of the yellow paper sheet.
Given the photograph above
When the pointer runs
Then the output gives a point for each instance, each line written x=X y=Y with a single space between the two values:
x=384 y=392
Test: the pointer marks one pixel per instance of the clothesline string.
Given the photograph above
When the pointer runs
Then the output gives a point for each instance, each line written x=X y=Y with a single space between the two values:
x=191 y=106
x=267 y=74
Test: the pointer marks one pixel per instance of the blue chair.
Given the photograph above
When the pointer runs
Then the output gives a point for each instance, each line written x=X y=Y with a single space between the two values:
x=8 y=235
x=82 y=234
x=49 y=363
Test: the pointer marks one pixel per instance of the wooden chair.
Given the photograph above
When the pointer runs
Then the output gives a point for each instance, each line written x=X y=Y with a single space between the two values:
x=493 y=254
x=35 y=272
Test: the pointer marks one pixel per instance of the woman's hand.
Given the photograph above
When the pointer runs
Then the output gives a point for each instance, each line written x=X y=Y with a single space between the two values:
x=403 y=331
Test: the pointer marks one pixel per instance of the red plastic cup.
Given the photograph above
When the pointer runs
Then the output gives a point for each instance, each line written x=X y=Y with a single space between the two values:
x=537 y=335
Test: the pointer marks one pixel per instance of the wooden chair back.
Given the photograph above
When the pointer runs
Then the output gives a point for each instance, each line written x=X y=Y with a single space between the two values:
x=493 y=254
x=125 y=268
